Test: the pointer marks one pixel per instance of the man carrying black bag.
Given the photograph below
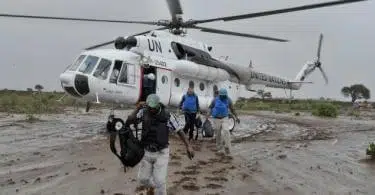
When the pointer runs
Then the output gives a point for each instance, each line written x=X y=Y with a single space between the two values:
x=156 y=124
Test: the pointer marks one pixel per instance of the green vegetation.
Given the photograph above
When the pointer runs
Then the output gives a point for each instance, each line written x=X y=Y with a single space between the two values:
x=36 y=102
x=32 y=103
x=325 y=110
x=354 y=113
x=322 y=107
x=371 y=150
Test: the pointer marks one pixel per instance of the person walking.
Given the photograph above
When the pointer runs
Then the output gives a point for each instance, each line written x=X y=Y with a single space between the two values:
x=157 y=122
x=219 y=110
x=189 y=105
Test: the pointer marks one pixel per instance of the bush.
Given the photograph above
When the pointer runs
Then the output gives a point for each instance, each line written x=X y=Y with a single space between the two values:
x=371 y=150
x=325 y=110
x=354 y=113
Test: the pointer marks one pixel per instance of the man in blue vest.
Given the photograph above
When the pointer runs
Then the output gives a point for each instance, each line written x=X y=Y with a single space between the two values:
x=219 y=110
x=190 y=106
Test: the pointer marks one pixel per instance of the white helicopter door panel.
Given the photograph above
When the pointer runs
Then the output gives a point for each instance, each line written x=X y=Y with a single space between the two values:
x=163 y=85
x=126 y=83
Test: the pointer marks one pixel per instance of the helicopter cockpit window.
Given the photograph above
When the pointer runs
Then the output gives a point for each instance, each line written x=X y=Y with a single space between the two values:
x=88 y=65
x=102 y=70
x=123 y=74
x=74 y=66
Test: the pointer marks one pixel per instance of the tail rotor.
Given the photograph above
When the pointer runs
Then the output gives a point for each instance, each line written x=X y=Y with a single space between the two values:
x=318 y=64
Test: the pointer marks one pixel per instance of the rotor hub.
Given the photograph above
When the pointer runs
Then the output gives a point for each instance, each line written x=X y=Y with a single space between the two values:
x=318 y=64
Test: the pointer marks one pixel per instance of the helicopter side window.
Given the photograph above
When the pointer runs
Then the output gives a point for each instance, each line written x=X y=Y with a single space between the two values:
x=88 y=65
x=74 y=66
x=191 y=84
x=127 y=74
x=115 y=72
x=124 y=74
x=102 y=70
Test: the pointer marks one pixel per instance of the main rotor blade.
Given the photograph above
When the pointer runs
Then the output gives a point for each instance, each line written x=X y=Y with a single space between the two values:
x=324 y=74
x=320 y=46
x=77 y=19
x=100 y=45
x=279 y=11
x=110 y=42
x=211 y=30
x=174 y=8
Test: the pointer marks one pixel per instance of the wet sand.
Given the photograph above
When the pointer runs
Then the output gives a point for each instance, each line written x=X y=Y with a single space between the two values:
x=272 y=154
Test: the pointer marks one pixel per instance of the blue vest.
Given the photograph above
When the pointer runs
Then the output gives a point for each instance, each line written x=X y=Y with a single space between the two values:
x=190 y=103
x=220 y=110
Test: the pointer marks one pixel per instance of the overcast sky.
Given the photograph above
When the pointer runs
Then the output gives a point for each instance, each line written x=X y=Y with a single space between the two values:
x=36 y=51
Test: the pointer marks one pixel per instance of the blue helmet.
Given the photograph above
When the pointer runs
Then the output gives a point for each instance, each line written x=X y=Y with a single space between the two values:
x=223 y=92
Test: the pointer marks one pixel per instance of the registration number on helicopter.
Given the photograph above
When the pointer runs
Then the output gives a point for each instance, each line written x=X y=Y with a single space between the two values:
x=113 y=92
x=160 y=63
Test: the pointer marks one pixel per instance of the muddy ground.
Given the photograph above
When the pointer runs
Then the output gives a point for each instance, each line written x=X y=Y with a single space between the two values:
x=272 y=154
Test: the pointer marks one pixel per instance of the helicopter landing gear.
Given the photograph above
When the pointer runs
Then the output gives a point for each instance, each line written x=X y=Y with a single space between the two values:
x=114 y=124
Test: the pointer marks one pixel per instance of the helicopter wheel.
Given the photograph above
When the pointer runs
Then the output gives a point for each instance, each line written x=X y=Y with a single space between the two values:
x=115 y=124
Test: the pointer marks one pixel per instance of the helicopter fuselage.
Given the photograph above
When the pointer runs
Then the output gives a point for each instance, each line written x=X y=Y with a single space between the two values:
x=174 y=63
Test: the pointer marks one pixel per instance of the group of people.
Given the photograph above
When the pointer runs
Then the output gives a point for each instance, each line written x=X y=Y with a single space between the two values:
x=157 y=123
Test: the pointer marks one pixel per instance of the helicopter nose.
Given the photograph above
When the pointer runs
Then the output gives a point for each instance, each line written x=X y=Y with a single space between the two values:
x=66 y=79
x=81 y=82
x=67 y=83
x=75 y=84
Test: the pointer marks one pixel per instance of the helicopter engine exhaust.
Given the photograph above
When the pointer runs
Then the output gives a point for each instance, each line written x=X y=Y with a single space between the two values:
x=129 y=42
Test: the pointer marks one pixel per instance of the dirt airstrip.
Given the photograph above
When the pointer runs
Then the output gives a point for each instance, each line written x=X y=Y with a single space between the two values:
x=272 y=154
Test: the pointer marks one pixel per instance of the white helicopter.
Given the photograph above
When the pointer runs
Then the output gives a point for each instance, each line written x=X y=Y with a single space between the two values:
x=167 y=63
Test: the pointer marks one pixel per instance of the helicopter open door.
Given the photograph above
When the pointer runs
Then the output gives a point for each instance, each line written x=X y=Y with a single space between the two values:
x=163 y=85
x=148 y=82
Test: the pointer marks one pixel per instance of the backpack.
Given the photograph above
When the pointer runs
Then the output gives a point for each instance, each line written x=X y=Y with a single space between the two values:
x=132 y=150
x=207 y=130
x=198 y=122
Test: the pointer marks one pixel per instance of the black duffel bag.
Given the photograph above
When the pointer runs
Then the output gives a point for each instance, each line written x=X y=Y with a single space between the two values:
x=132 y=150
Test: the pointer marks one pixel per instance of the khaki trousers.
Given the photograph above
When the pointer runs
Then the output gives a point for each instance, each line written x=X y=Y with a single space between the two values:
x=223 y=140
x=153 y=171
